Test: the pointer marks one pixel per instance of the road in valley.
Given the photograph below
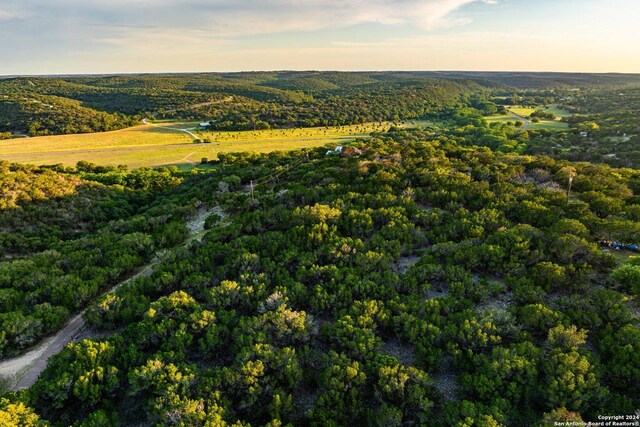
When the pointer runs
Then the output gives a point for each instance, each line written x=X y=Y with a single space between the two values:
x=22 y=372
x=526 y=121
x=194 y=136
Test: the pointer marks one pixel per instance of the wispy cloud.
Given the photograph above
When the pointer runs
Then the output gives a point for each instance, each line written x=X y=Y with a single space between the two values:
x=118 y=29
x=245 y=17
x=10 y=12
x=78 y=36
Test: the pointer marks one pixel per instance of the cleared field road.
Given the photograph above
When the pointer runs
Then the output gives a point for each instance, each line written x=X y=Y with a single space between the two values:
x=526 y=121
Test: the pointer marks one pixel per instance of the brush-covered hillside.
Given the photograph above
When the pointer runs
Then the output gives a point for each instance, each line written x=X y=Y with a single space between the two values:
x=410 y=280
x=37 y=115
x=239 y=101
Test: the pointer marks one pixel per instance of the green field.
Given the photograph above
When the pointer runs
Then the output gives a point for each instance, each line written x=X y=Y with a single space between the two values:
x=502 y=118
x=552 y=125
x=521 y=111
x=553 y=108
x=164 y=144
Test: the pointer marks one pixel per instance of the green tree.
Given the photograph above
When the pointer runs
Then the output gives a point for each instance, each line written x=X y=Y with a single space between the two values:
x=627 y=277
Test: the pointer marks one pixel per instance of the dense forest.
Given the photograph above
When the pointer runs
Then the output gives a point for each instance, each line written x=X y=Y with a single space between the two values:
x=470 y=272
x=542 y=80
x=37 y=115
x=418 y=278
x=244 y=101
x=68 y=235
x=260 y=100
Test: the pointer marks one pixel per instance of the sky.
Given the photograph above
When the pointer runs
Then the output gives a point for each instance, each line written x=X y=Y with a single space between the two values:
x=136 y=36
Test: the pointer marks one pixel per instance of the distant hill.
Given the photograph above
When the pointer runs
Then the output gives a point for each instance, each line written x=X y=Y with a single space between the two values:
x=37 y=115
x=257 y=100
x=526 y=80
x=234 y=101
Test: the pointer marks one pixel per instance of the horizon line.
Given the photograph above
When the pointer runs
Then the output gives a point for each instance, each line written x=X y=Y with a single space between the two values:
x=138 y=73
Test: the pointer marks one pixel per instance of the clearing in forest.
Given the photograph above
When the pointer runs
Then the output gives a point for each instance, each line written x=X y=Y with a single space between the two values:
x=167 y=143
x=552 y=125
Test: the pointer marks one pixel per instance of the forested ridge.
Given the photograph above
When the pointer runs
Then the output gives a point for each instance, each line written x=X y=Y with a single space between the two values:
x=257 y=100
x=418 y=280
x=241 y=101
x=38 y=115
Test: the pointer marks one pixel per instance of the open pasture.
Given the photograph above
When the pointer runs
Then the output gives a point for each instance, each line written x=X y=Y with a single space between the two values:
x=551 y=125
x=164 y=143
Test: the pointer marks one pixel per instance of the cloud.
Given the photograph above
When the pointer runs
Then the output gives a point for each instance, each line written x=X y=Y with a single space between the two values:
x=245 y=17
x=68 y=30
x=5 y=15
x=266 y=16
x=10 y=12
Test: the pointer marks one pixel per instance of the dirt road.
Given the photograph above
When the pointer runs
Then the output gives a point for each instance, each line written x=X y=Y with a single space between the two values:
x=526 y=121
x=188 y=132
x=22 y=372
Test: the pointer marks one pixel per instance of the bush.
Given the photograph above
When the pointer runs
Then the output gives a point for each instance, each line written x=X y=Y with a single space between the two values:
x=628 y=278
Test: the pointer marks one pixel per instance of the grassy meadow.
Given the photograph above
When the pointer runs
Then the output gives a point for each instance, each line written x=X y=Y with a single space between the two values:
x=552 y=125
x=164 y=143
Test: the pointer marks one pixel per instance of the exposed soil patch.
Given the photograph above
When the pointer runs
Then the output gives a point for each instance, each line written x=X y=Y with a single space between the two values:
x=196 y=224
x=402 y=264
x=434 y=293
x=401 y=351
x=424 y=207
x=445 y=380
x=499 y=302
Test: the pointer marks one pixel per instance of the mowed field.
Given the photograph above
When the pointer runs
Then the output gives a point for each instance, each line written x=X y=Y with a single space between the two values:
x=553 y=125
x=164 y=143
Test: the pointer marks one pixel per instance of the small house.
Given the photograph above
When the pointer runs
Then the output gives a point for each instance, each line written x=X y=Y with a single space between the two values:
x=335 y=151
x=584 y=134
x=204 y=125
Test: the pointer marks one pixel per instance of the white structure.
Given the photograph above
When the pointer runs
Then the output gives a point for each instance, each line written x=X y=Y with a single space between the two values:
x=337 y=150
x=584 y=134
x=205 y=125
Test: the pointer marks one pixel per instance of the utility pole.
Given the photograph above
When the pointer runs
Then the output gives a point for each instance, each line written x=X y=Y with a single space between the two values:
x=569 y=188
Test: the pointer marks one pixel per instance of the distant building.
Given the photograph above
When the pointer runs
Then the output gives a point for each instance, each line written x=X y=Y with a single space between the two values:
x=337 y=151
x=584 y=134
x=205 y=125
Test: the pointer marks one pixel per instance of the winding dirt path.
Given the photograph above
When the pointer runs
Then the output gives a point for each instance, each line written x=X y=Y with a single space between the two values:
x=526 y=121
x=188 y=132
x=22 y=372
